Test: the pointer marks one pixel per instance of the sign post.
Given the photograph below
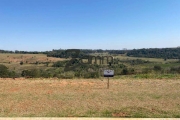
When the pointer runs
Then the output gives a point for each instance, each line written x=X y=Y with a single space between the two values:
x=108 y=83
x=108 y=73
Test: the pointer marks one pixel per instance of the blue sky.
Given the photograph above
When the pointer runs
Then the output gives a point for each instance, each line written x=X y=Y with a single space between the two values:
x=40 y=25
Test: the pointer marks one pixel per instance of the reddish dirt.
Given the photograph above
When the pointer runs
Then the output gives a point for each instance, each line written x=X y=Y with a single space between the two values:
x=14 y=89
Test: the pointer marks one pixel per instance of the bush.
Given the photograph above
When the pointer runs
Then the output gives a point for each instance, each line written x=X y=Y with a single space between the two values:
x=3 y=71
x=117 y=71
x=69 y=75
x=21 y=63
x=122 y=66
x=59 y=64
x=46 y=74
x=78 y=74
x=12 y=74
x=146 y=70
x=157 y=68
x=66 y=75
x=124 y=71
x=91 y=75
x=34 y=73
x=175 y=69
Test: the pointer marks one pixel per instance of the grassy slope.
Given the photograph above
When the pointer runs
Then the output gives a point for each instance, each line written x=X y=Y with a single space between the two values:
x=81 y=97
x=30 y=58
x=27 y=59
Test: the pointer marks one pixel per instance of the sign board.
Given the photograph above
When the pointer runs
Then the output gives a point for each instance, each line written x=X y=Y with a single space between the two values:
x=108 y=73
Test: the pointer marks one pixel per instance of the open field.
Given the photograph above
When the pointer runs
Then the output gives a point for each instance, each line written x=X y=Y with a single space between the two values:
x=26 y=58
x=126 y=97
x=12 y=61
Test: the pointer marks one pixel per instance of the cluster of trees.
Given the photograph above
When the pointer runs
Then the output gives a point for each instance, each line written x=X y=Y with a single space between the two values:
x=134 y=62
x=6 y=51
x=4 y=72
x=62 y=54
x=117 y=51
x=30 y=52
x=58 y=71
x=85 y=70
x=166 y=53
x=24 y=52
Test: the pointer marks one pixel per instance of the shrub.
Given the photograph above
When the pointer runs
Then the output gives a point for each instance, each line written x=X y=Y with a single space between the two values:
x=122 y=66
x=175 y=69
x=124 y=71
x=91 y=75
x=12 y=74
x=78 y=74
x=117 y=71
x=21 y=63
x=59 y=64
x=66 y=75
x=35 y=73
x=157 y=68
x=46 y=74
x=146 y=70
x=3 y=71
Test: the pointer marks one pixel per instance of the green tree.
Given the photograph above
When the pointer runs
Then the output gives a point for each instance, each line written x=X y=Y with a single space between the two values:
x=35 y=73
x=3 y=71
x=157 y=68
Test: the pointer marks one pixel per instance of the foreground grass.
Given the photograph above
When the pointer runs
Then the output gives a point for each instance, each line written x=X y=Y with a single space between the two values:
x=129 y=97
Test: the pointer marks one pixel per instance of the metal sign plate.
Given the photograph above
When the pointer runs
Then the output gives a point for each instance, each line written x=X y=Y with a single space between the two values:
x=108 y=73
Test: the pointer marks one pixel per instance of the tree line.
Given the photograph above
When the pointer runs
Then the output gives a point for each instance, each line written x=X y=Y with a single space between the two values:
x=165 y=53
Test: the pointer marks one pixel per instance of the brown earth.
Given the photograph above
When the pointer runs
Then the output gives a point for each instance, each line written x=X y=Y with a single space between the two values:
x=89 y=97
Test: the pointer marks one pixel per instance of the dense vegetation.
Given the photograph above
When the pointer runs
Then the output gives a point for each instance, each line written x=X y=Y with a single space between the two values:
x=165 y=53
x=4 y=72
x=78 y=69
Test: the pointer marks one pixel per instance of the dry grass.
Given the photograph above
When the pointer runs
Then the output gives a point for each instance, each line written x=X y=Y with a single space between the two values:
x=29 y=58
x=90 y=98
x=12 y=61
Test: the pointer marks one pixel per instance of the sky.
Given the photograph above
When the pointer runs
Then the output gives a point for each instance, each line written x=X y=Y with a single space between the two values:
x=43 y=25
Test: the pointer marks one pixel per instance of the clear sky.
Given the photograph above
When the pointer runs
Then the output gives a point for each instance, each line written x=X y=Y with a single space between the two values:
x=40 y=25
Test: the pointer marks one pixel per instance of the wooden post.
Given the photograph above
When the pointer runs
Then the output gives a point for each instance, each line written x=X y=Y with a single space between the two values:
x=108 y=83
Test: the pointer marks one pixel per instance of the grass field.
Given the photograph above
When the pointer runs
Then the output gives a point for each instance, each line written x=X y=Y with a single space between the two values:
x=126 y=97
x=12 y=61
x=29 y=58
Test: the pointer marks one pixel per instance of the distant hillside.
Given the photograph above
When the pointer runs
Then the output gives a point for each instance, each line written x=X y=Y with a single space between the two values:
x=166 y=53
